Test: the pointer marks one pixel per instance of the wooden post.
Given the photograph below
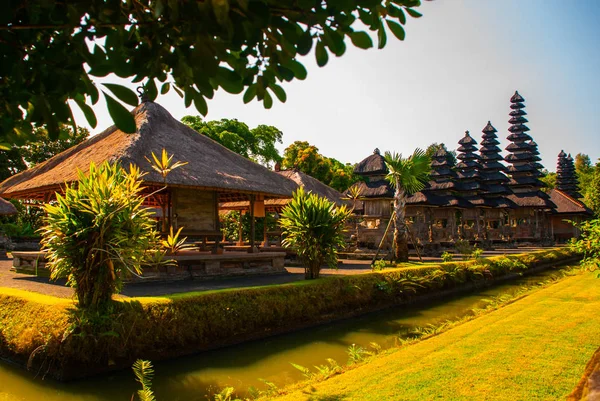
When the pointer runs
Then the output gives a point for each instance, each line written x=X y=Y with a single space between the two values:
x=240 y=241
x=252 y=224
x=265 y=236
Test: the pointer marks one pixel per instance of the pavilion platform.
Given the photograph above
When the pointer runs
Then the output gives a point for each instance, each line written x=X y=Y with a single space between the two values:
x=190 y=265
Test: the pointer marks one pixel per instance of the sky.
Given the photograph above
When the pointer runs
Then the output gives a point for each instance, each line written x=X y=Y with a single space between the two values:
x=457 y=68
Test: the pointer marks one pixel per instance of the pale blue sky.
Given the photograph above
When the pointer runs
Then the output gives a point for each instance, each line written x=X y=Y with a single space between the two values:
x=457 y=69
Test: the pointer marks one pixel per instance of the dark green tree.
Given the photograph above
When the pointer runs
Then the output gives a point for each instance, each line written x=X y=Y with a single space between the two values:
x=50 y=51
x=43 y=148
x=549 y=180
x=450 y=154
x=256 y=144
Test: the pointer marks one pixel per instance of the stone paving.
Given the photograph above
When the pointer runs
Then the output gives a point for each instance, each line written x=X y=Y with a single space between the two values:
x=45 y=286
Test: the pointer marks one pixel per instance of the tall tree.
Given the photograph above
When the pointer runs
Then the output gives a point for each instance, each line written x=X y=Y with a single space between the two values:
x=256 y=144
x=51 y=50
x=306 y=158
x=407 y=176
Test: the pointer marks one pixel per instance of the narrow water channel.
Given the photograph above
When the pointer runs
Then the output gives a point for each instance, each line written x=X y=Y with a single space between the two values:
x=191 y=378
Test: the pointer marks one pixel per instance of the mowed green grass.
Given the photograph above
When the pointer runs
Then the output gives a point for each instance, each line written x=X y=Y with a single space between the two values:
x=533 y=349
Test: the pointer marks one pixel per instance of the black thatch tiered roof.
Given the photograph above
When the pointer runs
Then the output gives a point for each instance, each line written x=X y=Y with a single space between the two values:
x=566 y=180
x=469 y=181
x=492 y=171
x=444 y=181
x=494 y=182
x=523 y=157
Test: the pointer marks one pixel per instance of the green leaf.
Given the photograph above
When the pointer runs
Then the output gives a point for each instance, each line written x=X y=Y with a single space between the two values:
x=321 y=54
x=304 y=43
x=396 y=29
x=361 y=40
x=124 y=94
x=334 y=41
x=381 y=37
x=297 y=68
x=200 y=104
x=413 y=13
x=268 y=100
x=396 y=12
x=229 y=80
x=250 y=93
x=151 y=89
x=178 y=91
x=279 y=92
x=164 y=89
x=88 y=112
x=121 y=117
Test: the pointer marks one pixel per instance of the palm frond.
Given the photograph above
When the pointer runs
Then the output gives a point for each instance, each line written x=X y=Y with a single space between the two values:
x=409 y=174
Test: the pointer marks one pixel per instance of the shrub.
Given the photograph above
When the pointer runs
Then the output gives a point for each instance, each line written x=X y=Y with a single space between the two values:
x=313 y=226
x=378 y=265
x=447 y=257
x=98 y=231
x=589 y=243
x=464 y=248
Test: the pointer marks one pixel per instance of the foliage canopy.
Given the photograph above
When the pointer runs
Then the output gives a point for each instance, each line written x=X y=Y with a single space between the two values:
x=50 y=51
x=256 y=144
x=306 y=158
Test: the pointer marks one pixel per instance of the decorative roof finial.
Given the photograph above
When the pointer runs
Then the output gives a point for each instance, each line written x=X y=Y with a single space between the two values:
x=142 y=93
x=376 y=151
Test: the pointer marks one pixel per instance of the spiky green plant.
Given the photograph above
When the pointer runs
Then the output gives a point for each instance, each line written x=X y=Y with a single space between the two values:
x=313 y=226
x=164 y=166
x=173 y=244
x=98 y=231
x=407 y=176
x=143 y=374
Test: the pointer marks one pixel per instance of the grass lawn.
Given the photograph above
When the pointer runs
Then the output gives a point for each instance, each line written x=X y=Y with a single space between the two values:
x=533 y=349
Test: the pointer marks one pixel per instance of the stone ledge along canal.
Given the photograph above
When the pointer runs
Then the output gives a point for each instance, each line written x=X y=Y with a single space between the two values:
x=243 y=366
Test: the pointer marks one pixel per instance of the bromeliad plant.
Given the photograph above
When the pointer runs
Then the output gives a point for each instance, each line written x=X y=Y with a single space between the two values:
x=313 y=226
x=98 y=231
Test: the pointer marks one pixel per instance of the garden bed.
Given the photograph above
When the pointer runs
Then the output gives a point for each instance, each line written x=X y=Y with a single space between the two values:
x=55 y=339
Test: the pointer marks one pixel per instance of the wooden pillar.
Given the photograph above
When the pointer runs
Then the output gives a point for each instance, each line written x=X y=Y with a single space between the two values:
x=169 y=207
x=265 y=236
x=252 y=224
x=240 y=241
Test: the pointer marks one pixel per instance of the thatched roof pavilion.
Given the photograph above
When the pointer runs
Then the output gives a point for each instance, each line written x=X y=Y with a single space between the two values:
x=190 y=200
x=210 y=165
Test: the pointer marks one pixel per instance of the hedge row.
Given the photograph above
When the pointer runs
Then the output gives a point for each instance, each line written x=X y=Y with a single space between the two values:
x=66 y=343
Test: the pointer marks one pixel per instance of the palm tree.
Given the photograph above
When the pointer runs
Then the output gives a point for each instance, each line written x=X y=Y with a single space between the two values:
x=406 y=176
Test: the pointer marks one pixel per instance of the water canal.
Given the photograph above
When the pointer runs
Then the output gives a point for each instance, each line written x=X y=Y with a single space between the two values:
x=191 y=378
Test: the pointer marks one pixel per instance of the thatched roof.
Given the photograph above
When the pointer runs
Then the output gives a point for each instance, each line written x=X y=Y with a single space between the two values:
x=372 y=165
x=6 y=207
x=536 y=199
x=210 y=165
x=313 y=185
x=566 y=204
x=377 y=189
x=299 y=179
